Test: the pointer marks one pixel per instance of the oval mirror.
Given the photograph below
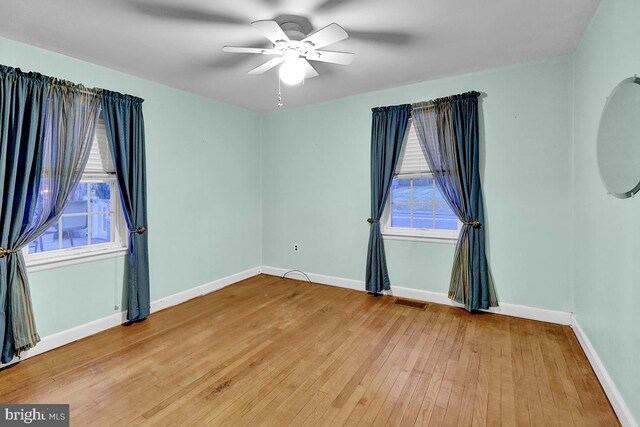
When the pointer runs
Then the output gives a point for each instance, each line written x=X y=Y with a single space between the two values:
x=618 y=146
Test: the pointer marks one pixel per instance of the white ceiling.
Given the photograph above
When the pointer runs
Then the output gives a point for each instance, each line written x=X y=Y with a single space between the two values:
x=179 y=43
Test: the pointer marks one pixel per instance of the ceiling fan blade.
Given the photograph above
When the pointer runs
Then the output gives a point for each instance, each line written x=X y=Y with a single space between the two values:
x=309 y=71
x=266 y=66
x=234 y=49
x=332 y=33
x=342 y=58
x=388 y=37
x=326 y=5
x=223 y=62
x=183 y=12
x=271 y=30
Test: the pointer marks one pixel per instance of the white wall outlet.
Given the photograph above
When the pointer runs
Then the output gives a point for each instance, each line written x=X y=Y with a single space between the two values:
x=296 y=247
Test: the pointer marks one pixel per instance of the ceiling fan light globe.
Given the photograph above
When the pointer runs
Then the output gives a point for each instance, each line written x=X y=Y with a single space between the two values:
x=292 y=72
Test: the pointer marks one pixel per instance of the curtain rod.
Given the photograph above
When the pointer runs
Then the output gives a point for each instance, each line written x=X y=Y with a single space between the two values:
x=74 y=86
x=69 y=84
x=432 y=102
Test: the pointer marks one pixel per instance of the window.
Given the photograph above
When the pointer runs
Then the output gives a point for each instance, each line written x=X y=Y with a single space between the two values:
x=92 y=223
x=416 y=209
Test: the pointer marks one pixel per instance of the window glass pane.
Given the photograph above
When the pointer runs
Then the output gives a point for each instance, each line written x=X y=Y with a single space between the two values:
x=48 y=241
x=400 y=215
x=74 y=231
x=100 y=197
x=423 y=215
x=416 y=203
x=445 y=218
x=100 y=228
x=77 y=202
x=439 y=196
x=87 y=219
x=401 y=190
x=423 y=190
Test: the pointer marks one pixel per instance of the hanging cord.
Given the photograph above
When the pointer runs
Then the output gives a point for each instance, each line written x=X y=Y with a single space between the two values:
x=284 y=276
x=280 y=104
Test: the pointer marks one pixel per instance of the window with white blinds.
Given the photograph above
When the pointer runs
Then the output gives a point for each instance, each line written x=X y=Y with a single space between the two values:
x=416 y=209
x=100 y=161
x=92 y=223
x=412 y=160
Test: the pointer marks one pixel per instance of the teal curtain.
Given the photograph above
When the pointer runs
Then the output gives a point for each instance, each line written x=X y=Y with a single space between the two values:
x=388 y=128
x=125 y=131
x=448 y=131
x=46 y=128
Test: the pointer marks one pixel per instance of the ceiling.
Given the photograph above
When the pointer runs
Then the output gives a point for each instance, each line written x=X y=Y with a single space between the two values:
x=179 y=43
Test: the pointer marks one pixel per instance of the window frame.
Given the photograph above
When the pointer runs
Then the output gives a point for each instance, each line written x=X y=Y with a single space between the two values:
x=74 y=255
x=418 y=169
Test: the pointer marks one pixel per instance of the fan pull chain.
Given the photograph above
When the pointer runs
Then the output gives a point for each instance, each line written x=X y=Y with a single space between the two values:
x=280 y=104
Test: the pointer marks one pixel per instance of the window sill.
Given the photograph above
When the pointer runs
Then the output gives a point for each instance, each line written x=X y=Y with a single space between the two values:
x=415 y=238
x=71 y=259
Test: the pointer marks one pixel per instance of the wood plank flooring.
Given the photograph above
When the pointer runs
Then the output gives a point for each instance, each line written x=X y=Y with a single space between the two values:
x=275 y=352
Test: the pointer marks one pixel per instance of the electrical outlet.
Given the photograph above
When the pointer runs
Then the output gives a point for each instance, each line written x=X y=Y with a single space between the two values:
x=296 y=247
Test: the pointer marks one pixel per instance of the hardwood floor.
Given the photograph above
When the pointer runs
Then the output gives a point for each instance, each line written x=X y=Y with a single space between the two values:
x=271 y=351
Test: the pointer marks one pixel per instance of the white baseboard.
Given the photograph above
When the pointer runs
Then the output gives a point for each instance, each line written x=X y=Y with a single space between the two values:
x=515 y=310
x=179 y=298
x=619 y=405
x=65 y=337
x=315 y=278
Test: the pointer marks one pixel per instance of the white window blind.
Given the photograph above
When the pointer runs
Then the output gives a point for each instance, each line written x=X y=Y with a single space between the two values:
x=412 y=160
x=100 y=161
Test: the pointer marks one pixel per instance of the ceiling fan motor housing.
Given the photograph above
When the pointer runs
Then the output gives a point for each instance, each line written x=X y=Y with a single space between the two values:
x=293 y=30
x=295 y=27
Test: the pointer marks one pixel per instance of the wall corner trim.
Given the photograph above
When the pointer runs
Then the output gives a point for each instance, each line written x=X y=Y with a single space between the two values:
x=82 y=331
x=615 y=398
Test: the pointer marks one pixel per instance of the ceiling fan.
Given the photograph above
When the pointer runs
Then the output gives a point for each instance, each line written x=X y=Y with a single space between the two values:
x=294 y=48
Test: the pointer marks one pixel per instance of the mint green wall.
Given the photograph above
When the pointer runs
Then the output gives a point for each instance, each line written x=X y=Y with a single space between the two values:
x=607 y=237
x=203 y=172
x=316 y=185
